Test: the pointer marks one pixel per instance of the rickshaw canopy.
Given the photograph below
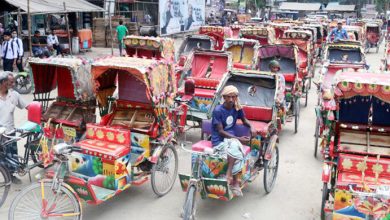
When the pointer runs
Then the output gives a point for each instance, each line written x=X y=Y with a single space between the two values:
x=244 y=51
x=334 y=52
x=259 y=33
x=71 y=76
x=145 y=81
x=217 y=33
x=287 y=56
x=150 y=47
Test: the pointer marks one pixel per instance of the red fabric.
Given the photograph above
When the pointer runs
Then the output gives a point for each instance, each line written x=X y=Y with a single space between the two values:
x=132 y=89
x=205 y=82
x=204 y=93
x=103 y=149
x=45 y=78
x=35 y=112
x=302 y=57
x=65 y=84
x=203 y=144
x=241 y=66
x=258 y=113
x=200 y=65
x=219 y=67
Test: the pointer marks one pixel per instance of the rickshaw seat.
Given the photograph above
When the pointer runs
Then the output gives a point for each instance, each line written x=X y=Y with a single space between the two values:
x=348 y=171
x=289 y=77
x=242 y=66
x=260 y=127
x=257 y=113
x=204 y=93
x=105 y=142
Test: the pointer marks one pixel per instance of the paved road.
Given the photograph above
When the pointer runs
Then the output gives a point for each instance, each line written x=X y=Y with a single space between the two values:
x=297 y=193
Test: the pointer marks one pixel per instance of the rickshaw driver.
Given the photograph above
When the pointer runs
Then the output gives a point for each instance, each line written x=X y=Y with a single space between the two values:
x=223 y=139
x=339 y=33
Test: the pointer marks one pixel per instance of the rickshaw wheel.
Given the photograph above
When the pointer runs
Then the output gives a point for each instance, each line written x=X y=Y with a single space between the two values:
x=5 y=178
x=325 y=196
x=271 y=170
x=296 y=115
x=316 y=136
x=189 y=204
x=164 y=172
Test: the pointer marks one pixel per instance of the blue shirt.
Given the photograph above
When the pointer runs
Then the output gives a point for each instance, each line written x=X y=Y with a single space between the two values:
x=227 y=118
x=339 y=34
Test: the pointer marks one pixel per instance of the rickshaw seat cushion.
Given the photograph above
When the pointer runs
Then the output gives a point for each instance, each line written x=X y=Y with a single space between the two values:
x=258 y=113
x=348 y=171
x=103 y=149
x=205 y=82
x=260 y=127
x=202 y=145
x=289 y=77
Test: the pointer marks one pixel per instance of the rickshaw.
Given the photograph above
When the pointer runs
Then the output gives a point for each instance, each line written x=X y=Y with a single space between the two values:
x=265 y=35
x=150 y=47
x=245 y=52
x=338 y=57
x=280 y=28
x=287 y=56
x=191 y=42
x=373 y=35
x=236 y=30
x=355 y=173
x=314 y=46
x=132 y=143
x=356 y=33
x=65 y=117
x=306 y=68
x=319 y=36
x=257 y=94
x=217 y=33
x=202 y=74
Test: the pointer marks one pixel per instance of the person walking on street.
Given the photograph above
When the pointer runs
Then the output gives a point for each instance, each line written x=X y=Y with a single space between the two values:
x=9 y=52
x=121 y=32
x=9 y=99
x=20 y=51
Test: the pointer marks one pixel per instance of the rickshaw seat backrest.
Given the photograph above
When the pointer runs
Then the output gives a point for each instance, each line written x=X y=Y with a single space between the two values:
x=348 y=113
x=239 y=129
x=258 y=113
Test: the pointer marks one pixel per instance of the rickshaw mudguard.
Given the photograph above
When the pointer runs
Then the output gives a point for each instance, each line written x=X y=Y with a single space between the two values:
x=271 y=145
x=326 y=172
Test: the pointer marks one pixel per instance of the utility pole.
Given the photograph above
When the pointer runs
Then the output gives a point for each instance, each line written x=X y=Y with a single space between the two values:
x=67 y=29
x=110 y=22
x=29 y=27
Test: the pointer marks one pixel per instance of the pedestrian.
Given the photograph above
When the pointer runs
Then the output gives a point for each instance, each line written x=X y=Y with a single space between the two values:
x=20 y=51
x=37 y=50
x=9 y=99
x=1 y=29
x=121 y=32
x=9 y=52
x=53 y=43
x=339 y=33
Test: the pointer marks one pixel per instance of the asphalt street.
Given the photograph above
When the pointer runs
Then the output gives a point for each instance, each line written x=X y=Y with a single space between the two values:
x=296 y=195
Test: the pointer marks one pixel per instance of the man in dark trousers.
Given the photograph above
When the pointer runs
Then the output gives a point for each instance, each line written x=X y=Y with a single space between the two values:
x=9 y=52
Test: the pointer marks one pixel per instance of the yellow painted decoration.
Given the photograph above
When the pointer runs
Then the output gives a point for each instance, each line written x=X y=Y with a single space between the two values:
x=99 y=134
x=121 y=138
x=110 y=136
x=362 y=166
x=347 y=164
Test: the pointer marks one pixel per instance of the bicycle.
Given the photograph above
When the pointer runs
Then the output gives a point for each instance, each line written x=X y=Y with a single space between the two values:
x=11 y=164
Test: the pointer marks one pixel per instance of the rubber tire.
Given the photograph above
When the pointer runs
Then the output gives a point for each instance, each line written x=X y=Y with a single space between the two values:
x=189 y=204
x=7 y=178
x=316 y=137
x=29 y=86
x=154 y=169
x=296 y=115
x=267 y=188
x=325 y=196
x=20 y=195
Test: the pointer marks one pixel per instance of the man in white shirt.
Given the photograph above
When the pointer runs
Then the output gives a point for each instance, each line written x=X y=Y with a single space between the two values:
x=20 y=51
x=52 y=42
x=9 y=52
x=9 y=100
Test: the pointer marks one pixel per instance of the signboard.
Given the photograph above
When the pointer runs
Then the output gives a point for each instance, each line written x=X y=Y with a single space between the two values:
x=181 y=15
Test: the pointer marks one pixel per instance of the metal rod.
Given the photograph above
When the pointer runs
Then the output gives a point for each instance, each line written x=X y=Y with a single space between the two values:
x=67 y=29
x=109 y=17
x=29 y=28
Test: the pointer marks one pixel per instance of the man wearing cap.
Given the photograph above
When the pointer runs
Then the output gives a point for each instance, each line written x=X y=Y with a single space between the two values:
x=223 y=138
x=9 y=52
x=339 y=33
x=9 y=99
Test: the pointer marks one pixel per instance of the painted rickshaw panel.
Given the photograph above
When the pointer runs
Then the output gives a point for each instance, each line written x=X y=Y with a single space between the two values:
x=245 y=52
x=192 y=42
x=265 y=35
x=217 y=33
x=150 y=47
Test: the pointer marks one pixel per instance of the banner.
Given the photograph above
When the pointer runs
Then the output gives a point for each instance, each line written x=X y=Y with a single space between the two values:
x=181 y=15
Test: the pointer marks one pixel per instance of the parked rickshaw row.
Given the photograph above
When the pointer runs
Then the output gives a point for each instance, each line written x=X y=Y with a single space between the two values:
x=147 y=102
